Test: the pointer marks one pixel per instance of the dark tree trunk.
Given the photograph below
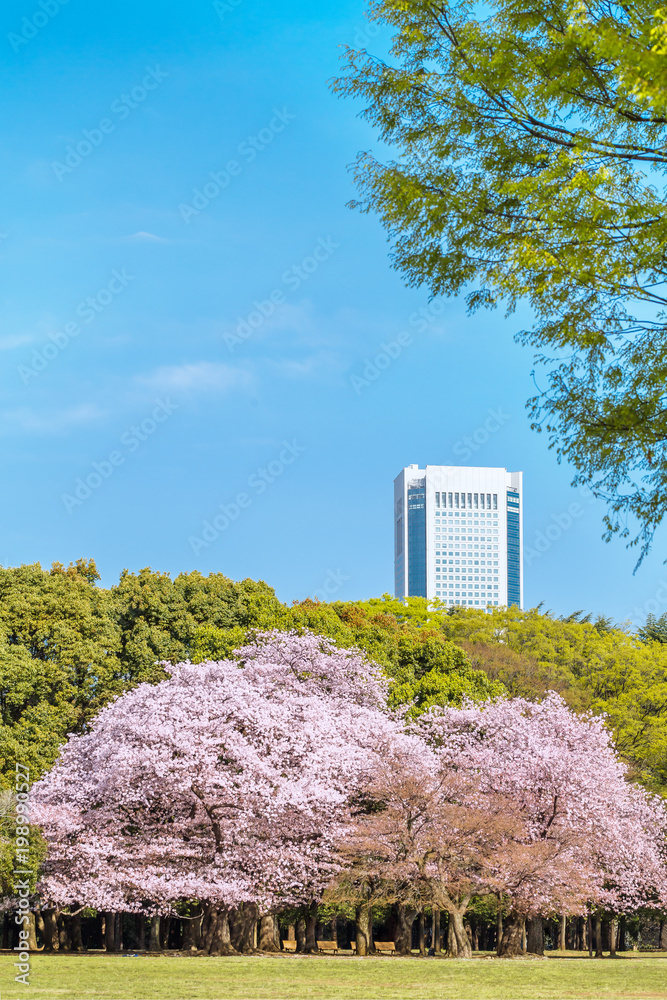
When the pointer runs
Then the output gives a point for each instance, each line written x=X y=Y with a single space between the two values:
x=141 y=932
x=63 y=933
x=662 y=937
x=110 y=931
x=613 y=931
x=621 y=934
x=301 y=935
x=436 y=930
x=422 y=946
x=459 y=942
x=598 y=934
x=535 y=936
x=589 y=935
x=512 y=939
x=197 y=925
x=51 y=939
x=188 y=939
x=267 y=933
x=242 y=924
x=5 y=930
x=165 y=930
x=154 y=936
x=221 y=943
x=499 y=925
x=119 y=932
x=334 y=929
x=562 y=935
x=404 y=918
x=452 y=949
x=311 y=929
x=363 y=918
x=32 y=933
x=39 y=921
x=207 y=927
x=75 y=927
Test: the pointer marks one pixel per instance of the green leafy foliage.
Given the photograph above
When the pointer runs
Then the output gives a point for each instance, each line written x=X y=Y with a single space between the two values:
x=58 y=660
x=529 y=146
x=67 y=647
x=28 y=864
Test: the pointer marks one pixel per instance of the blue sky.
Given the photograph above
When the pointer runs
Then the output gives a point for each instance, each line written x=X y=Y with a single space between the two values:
x=189 y=307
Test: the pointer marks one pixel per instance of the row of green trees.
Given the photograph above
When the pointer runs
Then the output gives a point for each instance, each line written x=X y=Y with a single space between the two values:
x=68 y=646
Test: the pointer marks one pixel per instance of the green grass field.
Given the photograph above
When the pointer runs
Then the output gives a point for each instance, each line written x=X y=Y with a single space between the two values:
x=293 y=977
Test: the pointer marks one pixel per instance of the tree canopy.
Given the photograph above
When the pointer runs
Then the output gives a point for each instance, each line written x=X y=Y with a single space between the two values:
x=68 y=647
x=529 y=145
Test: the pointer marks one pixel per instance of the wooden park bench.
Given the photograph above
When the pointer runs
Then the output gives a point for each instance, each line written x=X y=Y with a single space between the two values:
x=331 y=946
x=387 y=947
x=289 y=945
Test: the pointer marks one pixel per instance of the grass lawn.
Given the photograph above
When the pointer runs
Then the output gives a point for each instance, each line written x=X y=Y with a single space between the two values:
x=294 y=977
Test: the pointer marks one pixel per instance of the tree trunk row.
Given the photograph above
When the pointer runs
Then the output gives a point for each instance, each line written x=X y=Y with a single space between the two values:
x=217 y=931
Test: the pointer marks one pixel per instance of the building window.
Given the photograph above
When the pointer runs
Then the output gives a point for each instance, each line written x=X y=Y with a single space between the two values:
x=417 y=538
x=399 y=536
x=513 y=549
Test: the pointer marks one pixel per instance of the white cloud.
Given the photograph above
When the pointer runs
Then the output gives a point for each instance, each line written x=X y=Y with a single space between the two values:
x=200 y=375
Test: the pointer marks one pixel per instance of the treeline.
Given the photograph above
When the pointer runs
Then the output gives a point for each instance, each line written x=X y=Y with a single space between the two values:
x=83 y=929
x=68 y=646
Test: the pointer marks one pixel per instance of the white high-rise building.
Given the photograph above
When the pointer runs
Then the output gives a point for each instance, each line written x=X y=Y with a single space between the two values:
x=458 y=535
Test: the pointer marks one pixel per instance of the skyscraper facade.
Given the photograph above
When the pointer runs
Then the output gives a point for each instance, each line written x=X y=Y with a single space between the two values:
x=458 y=535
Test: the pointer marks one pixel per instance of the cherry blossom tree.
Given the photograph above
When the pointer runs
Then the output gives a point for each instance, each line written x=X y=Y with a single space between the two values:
x=523 y=800
x=224 y=783
x=561 y=770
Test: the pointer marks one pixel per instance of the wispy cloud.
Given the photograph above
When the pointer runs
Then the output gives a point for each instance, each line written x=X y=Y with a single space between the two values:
x=150 y=237
x=16 y=340
x=200 y=375
x=313 y=366
x=48 y=421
